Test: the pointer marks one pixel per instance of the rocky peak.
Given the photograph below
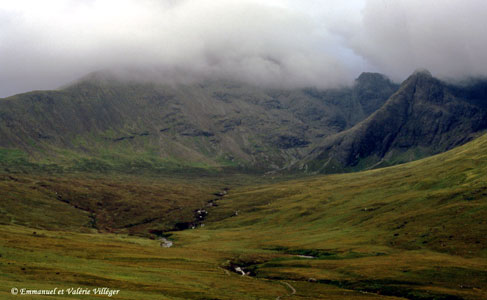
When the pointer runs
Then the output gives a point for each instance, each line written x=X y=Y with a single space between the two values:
x=421 y=77
x=372 y=90
x=371 y=78
x=425 y=87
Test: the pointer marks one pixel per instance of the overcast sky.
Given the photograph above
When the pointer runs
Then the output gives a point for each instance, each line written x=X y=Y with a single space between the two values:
x=295 y=43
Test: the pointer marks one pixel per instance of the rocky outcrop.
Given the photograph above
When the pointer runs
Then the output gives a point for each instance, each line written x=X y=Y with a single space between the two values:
x=425 y=116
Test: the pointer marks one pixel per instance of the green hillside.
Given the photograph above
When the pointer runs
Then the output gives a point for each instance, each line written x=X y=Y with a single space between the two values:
x=103 y=123
x=413 y=231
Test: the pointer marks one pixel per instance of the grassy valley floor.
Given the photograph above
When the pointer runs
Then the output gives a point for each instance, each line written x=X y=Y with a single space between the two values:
x=413 y=231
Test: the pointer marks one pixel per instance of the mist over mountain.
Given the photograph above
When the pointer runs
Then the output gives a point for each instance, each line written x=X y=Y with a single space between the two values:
x=241 y=83
x=281 y=44
x=244 y=149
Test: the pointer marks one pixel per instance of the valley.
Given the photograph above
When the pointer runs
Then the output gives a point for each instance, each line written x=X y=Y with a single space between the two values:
x=243 y=150
x=412 y=231
x=221 y=190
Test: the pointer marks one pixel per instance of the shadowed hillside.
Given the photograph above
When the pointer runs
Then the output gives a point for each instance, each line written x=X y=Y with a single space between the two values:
x=424 y=117
x=102 y=123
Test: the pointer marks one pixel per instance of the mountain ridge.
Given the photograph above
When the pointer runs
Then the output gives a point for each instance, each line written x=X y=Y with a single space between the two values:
x=102 y=123
x=210 y=124
x=424 y=117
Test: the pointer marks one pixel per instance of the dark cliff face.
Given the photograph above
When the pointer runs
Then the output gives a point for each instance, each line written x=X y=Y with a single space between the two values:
x=372 y=90
x=424 y=117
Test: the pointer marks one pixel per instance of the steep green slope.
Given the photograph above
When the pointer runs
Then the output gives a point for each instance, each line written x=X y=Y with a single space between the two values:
x=435 y=195
x=415 y=230
x=104 y=123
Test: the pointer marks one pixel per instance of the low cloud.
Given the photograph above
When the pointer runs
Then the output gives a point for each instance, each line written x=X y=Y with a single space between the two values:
x=446 y=37
x=45 y=44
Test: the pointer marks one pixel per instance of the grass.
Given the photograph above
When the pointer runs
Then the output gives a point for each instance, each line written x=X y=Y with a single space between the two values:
x=105 y=161
x=120 y=204
x=138 y=267
x=412 y=231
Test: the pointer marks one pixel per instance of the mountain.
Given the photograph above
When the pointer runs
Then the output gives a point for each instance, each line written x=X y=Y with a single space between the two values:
x=102 y=123
x=411 y=231
x=424 y=117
